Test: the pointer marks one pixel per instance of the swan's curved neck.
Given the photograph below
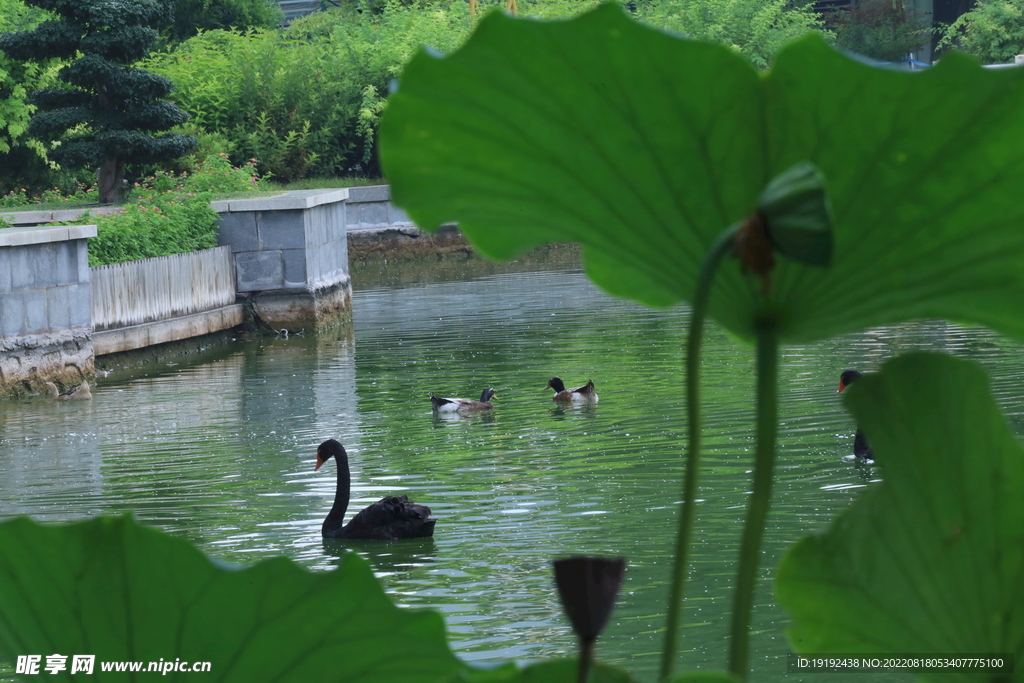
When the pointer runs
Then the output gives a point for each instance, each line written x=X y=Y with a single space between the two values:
x=337 y=514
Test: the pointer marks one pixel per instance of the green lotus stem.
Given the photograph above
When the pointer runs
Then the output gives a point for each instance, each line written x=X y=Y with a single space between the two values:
x=753 y=530
x=718 y=250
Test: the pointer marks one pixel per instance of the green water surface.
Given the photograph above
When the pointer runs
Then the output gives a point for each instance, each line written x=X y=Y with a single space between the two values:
x=219 y=449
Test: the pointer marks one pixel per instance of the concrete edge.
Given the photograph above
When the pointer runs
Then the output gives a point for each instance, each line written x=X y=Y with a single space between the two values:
x=26 y=217
x=16 y=237
x=33 y=218
x=295 y=199
x=369 y=193
x=75 y=214
x=162 y=331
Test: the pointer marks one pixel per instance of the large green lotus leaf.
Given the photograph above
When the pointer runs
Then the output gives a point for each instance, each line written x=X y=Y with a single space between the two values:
x=931 y=560
x=121 y=591
x=548 y=671
x=644 y=147
x=698 y=676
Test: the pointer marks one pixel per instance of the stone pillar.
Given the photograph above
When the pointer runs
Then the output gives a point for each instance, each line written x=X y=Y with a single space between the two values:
x=291 y=256
x=45 y=308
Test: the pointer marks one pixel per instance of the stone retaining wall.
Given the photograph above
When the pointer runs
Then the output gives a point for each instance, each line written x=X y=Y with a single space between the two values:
x=380 y=231
x=45 y=314
x=290 y=253
x=291 y=256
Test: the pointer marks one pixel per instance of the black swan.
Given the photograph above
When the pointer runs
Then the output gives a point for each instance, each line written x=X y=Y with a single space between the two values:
x=388 y=519
x=860 y=444
x=73 y=394
x=463 y=405
x=584 y=393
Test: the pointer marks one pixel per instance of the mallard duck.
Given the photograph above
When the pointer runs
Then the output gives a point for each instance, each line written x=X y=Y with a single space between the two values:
x=388 y=519
x=584 y=393
x=860 y=444
x=463 y=405
x=73 y=394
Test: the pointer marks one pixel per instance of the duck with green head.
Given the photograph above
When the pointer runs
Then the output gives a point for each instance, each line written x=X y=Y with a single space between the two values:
x=563 y=395
x=463 y=405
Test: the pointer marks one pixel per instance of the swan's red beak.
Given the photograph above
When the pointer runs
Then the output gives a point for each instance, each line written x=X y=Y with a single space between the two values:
x=319 y=461
x=842 y=385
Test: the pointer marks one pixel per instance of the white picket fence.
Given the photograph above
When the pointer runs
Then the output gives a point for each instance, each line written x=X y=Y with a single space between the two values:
x=138 y=292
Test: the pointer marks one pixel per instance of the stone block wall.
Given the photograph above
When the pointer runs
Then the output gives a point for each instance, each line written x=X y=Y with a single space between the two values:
x=45 y=307
x=370 y=208
x=380 y=232
x=291 y=257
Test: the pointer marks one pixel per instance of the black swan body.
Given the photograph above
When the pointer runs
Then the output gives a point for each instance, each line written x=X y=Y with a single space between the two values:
x=860 y=444
x=388 y=519
x=463 y=405
x=583 y=393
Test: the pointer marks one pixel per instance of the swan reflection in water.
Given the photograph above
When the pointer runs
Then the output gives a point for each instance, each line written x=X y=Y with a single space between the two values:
x=387 y=558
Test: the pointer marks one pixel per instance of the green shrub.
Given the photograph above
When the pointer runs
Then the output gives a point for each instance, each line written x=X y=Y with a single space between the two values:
x=193 y=16
x=160 y=227
x=880 y=29
x=754 y=28
x=284 y=101
x=307 y=100
x=215 y=174
x=80 y=193
x=168 y=213
x=22 y=160
x=993 y=31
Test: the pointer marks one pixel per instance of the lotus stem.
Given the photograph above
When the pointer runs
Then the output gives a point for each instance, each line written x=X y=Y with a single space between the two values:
x=586 y=659
x=719 y=249
x=757 y=512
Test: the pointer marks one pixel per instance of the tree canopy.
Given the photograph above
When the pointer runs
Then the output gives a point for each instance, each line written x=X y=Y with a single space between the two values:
x=109 y=112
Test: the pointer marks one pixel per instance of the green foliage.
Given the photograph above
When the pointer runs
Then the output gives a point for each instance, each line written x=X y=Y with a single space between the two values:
x=207 y=145
x=289 y=153
x=881 y=29
x=705 y=677
x=679 y=139
x=20 y=198
x=121 y=591
x=550 y=671
x=267 y=96
x=169 y=213
x=17 y=81
x=929 y=560
x=993 y=31
x=308 y=100
x=305 y=101
x=15 y=15
x=644 y=148
x=755 y=28
x=15 y=111
x=215 y=174
x=194 y=16
x=109 y=112
x=125 y=592
x=160 y=225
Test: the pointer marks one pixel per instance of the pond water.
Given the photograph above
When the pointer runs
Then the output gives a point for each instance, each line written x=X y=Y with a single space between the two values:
x=219 y=449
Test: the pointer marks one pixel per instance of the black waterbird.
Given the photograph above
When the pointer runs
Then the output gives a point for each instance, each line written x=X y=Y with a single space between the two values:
x=388 y=519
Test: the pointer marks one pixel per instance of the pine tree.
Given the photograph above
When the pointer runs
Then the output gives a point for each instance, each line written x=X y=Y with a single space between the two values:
x=109 y=114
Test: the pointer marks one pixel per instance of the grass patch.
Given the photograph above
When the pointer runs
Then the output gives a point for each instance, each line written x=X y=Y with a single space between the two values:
x=327 y=183
x=267 y=188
